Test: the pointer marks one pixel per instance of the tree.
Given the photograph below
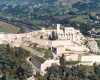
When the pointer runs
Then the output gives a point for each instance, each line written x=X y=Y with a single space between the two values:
x=8 y=47
x=5 y=62
x=82 y=73
x=93 y=77
x=53 y=35
x=41 y=37
x=48 y=54
x=62 y=61
x=35 y=44
x=39 y=76
x=52 y=72
x=24 y=71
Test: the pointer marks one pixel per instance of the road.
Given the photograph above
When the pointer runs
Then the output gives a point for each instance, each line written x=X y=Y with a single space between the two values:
x=33 y=51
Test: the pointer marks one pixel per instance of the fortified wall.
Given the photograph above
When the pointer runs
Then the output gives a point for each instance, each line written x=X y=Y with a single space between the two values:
x=17 y=39
x=68 y=37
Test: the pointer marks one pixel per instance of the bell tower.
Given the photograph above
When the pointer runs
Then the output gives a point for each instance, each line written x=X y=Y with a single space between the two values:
x=58 y=28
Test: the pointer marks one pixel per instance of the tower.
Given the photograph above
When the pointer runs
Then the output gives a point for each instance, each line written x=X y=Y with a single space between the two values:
x=58 y=28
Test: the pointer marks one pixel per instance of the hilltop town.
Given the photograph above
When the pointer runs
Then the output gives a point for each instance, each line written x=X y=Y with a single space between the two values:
x=49 y=40
x=69 y=41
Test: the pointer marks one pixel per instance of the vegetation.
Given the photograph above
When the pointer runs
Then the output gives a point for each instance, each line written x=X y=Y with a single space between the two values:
x=47 y=53
x=74 y=62
x=98 y=43
x=62 y=61
x=53 y=36
x=41 y=37
x=13 y=64
x=8 y=28
x=36 y=14
x=86 y=54
x=81 y=18
x=37 y=22
x=39 y=59
x=35 y=45
x=42 y=50
x=84 y=6
x=77 y=72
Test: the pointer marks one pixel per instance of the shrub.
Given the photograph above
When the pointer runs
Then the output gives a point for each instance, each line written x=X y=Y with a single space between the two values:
x=35 y=44
x=41 y=37
x=48 y=54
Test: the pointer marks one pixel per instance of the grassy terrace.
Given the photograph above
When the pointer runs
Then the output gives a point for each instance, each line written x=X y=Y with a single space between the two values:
x=42 y=50
x=87 y=54
x=39 y=59
x=74 y=62
x=47 y=53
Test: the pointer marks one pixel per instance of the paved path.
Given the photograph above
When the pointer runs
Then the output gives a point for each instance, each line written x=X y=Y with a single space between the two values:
x=33 y=67
x=33 y=51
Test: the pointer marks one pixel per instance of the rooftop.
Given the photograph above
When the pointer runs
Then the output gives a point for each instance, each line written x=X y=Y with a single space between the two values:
x=69 y=27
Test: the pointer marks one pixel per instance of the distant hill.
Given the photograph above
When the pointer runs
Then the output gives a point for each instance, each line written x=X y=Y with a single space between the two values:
x=27 y=0
x=68 y=2
x=90 y=4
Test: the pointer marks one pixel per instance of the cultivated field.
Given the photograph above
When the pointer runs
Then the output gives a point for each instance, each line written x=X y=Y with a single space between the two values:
x=81 y=18
x=37 y=21
x=63 y=16
x=8 y=28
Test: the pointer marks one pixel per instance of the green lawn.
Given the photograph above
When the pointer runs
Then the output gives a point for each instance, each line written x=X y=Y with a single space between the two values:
x=42 y=50
x=81 y=18
x=86 y=54
x=74 y=62
x=52 y=27
x=47 y=53
x=39 y=59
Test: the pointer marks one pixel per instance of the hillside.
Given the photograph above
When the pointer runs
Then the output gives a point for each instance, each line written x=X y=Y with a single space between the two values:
x=47 y=13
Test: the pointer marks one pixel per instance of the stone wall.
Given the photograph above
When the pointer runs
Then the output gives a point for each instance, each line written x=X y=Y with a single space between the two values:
x=73 y=57
x=94 y=58
x=48 y=63
x=36 y=63
x=60 y=50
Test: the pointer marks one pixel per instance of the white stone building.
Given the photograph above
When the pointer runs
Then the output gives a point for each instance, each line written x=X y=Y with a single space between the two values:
x=68 y=33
